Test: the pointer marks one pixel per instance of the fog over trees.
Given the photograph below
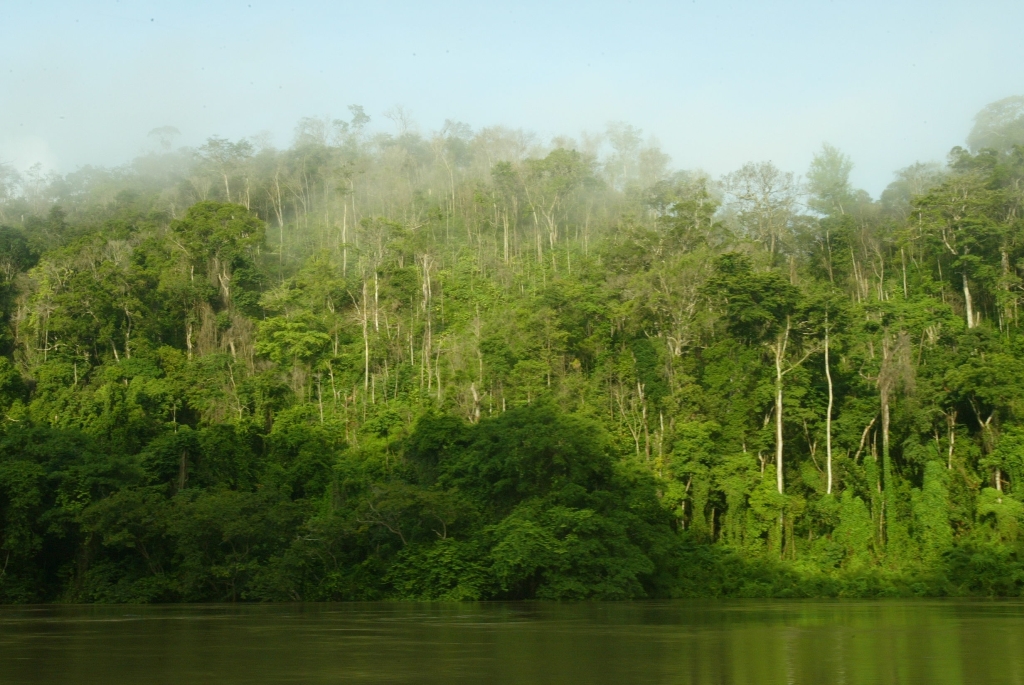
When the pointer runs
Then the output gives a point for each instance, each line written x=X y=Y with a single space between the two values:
x=475 y=364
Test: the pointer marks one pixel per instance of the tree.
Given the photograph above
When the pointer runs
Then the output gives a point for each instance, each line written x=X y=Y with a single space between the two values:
x=764 y=199
x=763 y=308
x=958 y=217
x=999 y=125
x=828 y=182
x=372 y=405
x=895 y=373
x=216 y=237
x=227 y=159
x=991 y=384
x=10 y=181
x=549 y=184
x=828 y=313
x=911 y=182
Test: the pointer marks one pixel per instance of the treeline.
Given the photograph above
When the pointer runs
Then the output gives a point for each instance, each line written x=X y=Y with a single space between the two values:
x=470 y=366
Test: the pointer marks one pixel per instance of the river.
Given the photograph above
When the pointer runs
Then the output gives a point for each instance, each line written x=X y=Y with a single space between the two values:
x=736 y=641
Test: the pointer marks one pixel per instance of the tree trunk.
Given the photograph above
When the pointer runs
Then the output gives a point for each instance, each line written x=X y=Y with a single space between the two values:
x=780 y=354
x=969 y=304
x=778 y=430
x=951 y=425
x=828 y=257
x=903 y=259
x=320 y=396
x=828 y=417
x=1007 y=311
x=887 y=478
x=505 y=226
x=376 y=301
x=344 y=240
x=366 y=344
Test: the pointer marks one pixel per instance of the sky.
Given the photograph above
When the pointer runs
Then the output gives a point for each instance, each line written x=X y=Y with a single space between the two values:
x=717 y=84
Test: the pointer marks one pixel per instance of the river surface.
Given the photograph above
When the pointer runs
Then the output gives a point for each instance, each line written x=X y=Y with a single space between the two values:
x=749 y=642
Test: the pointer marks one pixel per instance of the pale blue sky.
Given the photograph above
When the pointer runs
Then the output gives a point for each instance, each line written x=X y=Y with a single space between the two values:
x=718 y=83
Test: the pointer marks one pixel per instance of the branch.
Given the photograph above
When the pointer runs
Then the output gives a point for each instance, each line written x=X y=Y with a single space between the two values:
x=863 y=438
x=812 y=350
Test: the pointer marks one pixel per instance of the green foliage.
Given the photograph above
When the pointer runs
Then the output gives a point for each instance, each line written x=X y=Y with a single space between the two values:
x=212 y=230
x=448 y=569
x=829 y=182
x=756 y=303
x=388 y=367
x=999 y=126
x=931 y=513
x=562 y=552
x=855 y=532
x=1003 y=512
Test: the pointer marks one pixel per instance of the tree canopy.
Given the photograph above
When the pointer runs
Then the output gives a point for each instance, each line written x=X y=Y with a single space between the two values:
x=467 y=365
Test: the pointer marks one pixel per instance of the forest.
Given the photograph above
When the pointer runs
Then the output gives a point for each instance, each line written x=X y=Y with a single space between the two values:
x=472 y=365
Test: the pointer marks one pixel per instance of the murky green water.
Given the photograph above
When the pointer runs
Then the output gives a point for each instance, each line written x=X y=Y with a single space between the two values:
x=672 y=642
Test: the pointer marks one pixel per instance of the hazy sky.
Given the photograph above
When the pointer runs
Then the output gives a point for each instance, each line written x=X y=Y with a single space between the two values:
x=718 y=83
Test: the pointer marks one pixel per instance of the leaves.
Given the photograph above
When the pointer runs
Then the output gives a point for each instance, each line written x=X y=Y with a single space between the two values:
x=463 y=366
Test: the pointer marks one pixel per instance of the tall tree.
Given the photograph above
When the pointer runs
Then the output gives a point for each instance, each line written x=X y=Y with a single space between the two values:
x=764 y=199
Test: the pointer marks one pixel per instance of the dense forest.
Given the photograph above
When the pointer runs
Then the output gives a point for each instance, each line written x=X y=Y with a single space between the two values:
x=469 y=365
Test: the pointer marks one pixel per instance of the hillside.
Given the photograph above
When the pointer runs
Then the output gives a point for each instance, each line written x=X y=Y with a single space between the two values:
x=468 y=366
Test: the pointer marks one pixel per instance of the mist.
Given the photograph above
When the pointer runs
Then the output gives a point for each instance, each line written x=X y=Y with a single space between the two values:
x=718 y=84
x=462 y=302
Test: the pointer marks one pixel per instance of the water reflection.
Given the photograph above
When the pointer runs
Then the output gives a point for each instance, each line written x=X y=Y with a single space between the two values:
x=650 y=642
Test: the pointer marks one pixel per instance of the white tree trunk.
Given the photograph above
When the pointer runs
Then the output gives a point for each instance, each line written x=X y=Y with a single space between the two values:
x=828 y=418
x=366 y=343
x=969 y=304
x=780 y=355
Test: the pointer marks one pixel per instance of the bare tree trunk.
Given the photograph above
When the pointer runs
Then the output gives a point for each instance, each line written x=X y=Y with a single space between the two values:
x=856 y=274
x=780 y=355
x=903 y=259
x=828 y=416
x=1011 y=313
x=428 y=333
x=505 y=226
x=320 y=396
x=344 y=240
x=887 y=484
x=366 y=343
x=778 y=430
x=988 y=442
x=969 y=304
x=278 y=204
x=885 y=429
x=951 y=426
x=355 y=214
x=828 y=257
x=475 y=416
